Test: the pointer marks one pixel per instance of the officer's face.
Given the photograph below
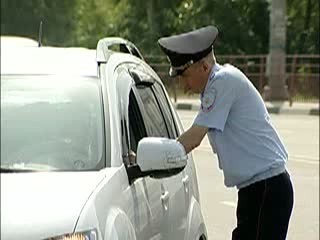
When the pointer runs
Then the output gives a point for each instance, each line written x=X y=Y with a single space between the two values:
x=195 y=77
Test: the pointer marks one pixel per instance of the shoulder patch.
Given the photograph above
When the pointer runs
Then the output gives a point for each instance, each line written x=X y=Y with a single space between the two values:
x=208 y=100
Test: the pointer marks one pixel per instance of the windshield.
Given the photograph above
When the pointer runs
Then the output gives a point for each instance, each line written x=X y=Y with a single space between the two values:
x=51 y=123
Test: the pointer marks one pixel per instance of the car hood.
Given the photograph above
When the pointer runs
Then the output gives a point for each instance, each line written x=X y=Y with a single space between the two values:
x=38 y=205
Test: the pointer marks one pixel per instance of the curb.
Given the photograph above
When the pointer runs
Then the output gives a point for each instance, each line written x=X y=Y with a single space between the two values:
x=277 y=110
x=271 y=109
x=187 y=106
x=314 y=112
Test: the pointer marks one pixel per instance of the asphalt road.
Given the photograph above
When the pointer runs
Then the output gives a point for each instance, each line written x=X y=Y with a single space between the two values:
x=300 y=134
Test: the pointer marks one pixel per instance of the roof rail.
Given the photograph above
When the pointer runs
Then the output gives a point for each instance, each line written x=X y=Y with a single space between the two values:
x=111 y=44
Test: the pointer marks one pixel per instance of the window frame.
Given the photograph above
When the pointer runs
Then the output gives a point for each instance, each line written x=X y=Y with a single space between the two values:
x=140 y=110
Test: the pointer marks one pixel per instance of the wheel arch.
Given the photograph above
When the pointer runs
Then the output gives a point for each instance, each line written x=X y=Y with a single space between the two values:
x=196 y=226
x=119 y=226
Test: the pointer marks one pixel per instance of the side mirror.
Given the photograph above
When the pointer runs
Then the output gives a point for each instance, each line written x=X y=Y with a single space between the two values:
x=158 y=157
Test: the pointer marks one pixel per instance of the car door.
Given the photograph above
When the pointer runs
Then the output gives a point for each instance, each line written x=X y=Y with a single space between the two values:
x=147 y=207
x=177 y=185
x=159 y=123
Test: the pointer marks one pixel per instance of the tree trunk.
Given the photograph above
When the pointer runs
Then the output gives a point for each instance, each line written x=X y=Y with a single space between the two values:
x=277 y=51
x=307 y=18
x=152 y=20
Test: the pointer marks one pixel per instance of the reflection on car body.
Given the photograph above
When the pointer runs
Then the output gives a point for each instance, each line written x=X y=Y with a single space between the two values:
x=71 y=119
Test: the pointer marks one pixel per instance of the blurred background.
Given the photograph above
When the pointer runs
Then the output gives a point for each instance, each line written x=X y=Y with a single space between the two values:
x=275 y=42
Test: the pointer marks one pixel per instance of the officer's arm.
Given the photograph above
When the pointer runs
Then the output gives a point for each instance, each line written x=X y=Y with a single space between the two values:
x=192 y=138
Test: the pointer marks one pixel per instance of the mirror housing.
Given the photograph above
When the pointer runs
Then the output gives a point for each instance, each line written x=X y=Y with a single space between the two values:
x=158 y=157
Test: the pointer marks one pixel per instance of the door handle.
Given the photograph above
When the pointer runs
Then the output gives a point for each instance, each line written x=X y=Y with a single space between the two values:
x=185 y=181
x=165 y=196
x=165 y=199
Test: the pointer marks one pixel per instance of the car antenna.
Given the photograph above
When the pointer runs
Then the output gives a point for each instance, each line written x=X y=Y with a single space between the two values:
x=40 y=35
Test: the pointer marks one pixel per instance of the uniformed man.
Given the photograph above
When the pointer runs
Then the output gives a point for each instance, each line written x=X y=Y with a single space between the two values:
x=235 y=119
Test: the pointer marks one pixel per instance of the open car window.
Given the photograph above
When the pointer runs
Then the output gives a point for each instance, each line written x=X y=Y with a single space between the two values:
x=153 y=116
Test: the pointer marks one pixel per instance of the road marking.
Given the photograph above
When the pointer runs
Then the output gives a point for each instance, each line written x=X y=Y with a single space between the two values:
x=293 y=158
x=305 y=157
x=228 y=203
x=298 y=160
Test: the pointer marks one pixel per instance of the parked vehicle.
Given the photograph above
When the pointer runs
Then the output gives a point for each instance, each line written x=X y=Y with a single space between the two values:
x=71 y=121
x=18 y=41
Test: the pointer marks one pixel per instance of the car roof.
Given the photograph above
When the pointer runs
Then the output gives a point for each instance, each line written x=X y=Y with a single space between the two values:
x=18 y=41
x=21 y=58
x=17 y=60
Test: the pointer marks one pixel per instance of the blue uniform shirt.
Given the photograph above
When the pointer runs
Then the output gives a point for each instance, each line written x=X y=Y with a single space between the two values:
x=240 y=131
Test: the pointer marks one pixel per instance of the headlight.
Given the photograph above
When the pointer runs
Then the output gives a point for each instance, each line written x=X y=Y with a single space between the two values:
x=88 y=235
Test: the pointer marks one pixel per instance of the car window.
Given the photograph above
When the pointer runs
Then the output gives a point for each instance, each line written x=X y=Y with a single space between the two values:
x=51 y=123
x=153 y=117
x=165 y=107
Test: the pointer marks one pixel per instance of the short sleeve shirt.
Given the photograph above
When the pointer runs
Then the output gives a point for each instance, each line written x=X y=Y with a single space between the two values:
x=248 y=146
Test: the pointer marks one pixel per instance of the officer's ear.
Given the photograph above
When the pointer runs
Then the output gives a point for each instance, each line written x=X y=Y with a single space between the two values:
x=205 y=66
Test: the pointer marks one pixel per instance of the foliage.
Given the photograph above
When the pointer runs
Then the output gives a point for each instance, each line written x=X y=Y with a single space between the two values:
x=98 y=19
x=303 y=26
x=23 y=18
x=243 y=24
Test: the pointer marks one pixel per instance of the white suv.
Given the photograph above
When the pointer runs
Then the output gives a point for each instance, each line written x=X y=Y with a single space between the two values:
x=71 y=121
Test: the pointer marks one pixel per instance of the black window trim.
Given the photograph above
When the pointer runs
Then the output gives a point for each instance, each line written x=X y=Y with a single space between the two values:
x=137 y=104
x=105 y=112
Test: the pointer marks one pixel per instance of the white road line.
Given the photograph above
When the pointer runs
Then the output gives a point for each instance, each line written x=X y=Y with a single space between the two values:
x=293 y=158
x=228 y=203
x=298 y=160
x=311 y=158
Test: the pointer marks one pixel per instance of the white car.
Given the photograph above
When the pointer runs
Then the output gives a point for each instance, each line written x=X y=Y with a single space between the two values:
x=71 y=121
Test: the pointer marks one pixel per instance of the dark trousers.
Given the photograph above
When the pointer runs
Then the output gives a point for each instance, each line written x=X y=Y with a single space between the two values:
x=264 y=209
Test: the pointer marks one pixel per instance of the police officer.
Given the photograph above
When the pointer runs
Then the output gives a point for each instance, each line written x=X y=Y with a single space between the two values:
x=235 y=119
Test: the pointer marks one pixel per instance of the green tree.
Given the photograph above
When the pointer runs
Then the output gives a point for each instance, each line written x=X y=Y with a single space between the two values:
x=97 y=19
x=23 y=18
x=303 y=26
x=243 y=24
